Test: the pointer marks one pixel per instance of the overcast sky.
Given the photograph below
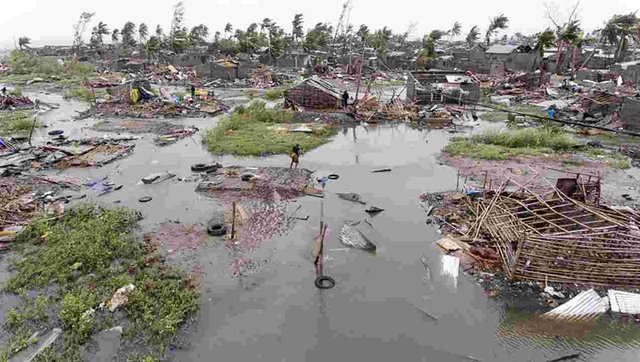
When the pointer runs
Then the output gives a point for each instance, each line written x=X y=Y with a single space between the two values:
x=50 y=22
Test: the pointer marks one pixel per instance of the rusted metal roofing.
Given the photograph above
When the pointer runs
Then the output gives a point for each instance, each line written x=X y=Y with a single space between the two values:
x=624 y=302
x=584 y=306
x=322 y=85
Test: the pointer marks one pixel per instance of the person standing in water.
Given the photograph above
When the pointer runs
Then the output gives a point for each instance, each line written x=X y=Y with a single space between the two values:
x=295 y=156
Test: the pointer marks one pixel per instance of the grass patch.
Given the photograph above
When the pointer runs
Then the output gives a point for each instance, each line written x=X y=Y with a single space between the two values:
x=18 y=122
x=80 y=93
x=274 y=94
x=248 y=131
x=611 y=159
x=16 y=91
x=494 y=145
x=500 y=114
x=88 y=254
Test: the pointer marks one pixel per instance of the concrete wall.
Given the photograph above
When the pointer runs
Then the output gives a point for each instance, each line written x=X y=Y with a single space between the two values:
x=630 y=114
x=217 y=71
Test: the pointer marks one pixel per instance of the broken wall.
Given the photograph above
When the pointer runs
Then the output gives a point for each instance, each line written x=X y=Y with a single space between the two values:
x=630 y=114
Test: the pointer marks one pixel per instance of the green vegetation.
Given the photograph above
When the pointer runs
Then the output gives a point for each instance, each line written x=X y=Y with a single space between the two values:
x=494 y=145
x=23 y=63
x=19 y=122
x=498 y=115
x=274 y=94
x=16 y=91
x=249 y=131
x=80 y=93
x=87 y=255
x=611 y=159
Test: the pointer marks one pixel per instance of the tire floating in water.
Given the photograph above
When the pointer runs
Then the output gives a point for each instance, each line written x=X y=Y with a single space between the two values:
x=333 y=176
x=56 y=132
x=145 y=199
x=216 y=229
x=199 y=167
x=320 y=282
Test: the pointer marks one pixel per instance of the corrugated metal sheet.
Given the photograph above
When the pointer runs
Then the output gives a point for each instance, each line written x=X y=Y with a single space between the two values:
x=324 y=86
x=501 y=49
x=623 y=302
x=584 y=306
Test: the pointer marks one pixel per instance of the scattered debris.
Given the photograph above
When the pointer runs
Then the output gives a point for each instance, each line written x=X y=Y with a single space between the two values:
x=120 y=297
x=624 y=302
x=585 y=306
x=374 y=210
x=157 y=178
x=351 y=197
x=352 y=237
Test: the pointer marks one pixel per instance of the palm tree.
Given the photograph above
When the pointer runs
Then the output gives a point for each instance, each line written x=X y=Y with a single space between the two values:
x=569 y=37
x=545 y=40
x=473 y=35
x=127 y=34
x=363 y=32
x=252 y=28
x=199 y=34
x=455 y=30
x=617 y=32
x=500 y=22
x=159 y=32
x=23 y=42
x=115 y=35
x=97 y=34
x=228 y=28
x=143 y=32
x=266 y=24
x=297 y=32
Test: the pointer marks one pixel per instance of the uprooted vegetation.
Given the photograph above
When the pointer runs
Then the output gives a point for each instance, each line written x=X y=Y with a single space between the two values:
x=497 y=145
x=86 y=256
x=257 y=130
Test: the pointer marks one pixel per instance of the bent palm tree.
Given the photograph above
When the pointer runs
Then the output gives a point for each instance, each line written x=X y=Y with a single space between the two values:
x=500 y=22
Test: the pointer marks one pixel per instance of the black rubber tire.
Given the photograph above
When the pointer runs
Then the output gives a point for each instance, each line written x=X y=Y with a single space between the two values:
x=216 y=229
x=320 y=285
x=145 y=199
x=19 y=139
x=200 y=167
x=56 y=132
x=333 y=176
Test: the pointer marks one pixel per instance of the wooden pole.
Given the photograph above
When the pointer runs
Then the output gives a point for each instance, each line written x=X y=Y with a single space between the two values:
x=233 y=222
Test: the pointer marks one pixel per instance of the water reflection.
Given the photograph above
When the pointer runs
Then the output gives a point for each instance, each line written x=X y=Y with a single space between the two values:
x=523 y=331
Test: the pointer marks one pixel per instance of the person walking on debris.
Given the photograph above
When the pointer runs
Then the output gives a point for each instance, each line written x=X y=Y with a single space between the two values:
x=4 y=91
x=193 y=92
x=345 y=99
x=295 y=156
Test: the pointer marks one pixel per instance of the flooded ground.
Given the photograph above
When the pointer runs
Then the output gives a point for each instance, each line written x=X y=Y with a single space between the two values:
x=384 y=306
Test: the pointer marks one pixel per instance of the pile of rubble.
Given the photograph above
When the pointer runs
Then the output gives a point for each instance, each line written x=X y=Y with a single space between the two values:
x=64 y=153
x=9 y=102
x=562 y=235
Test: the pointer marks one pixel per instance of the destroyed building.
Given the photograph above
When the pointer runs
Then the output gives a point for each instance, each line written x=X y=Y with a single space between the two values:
x=510 y=57
x=314 y=93
x=442 y=86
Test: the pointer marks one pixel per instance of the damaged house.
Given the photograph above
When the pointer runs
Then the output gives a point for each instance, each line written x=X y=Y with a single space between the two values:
x=442 y=86
x=510 y=57
x=314 y=93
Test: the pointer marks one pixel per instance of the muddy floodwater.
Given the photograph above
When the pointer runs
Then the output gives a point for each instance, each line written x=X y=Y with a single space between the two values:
x=384 y=306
